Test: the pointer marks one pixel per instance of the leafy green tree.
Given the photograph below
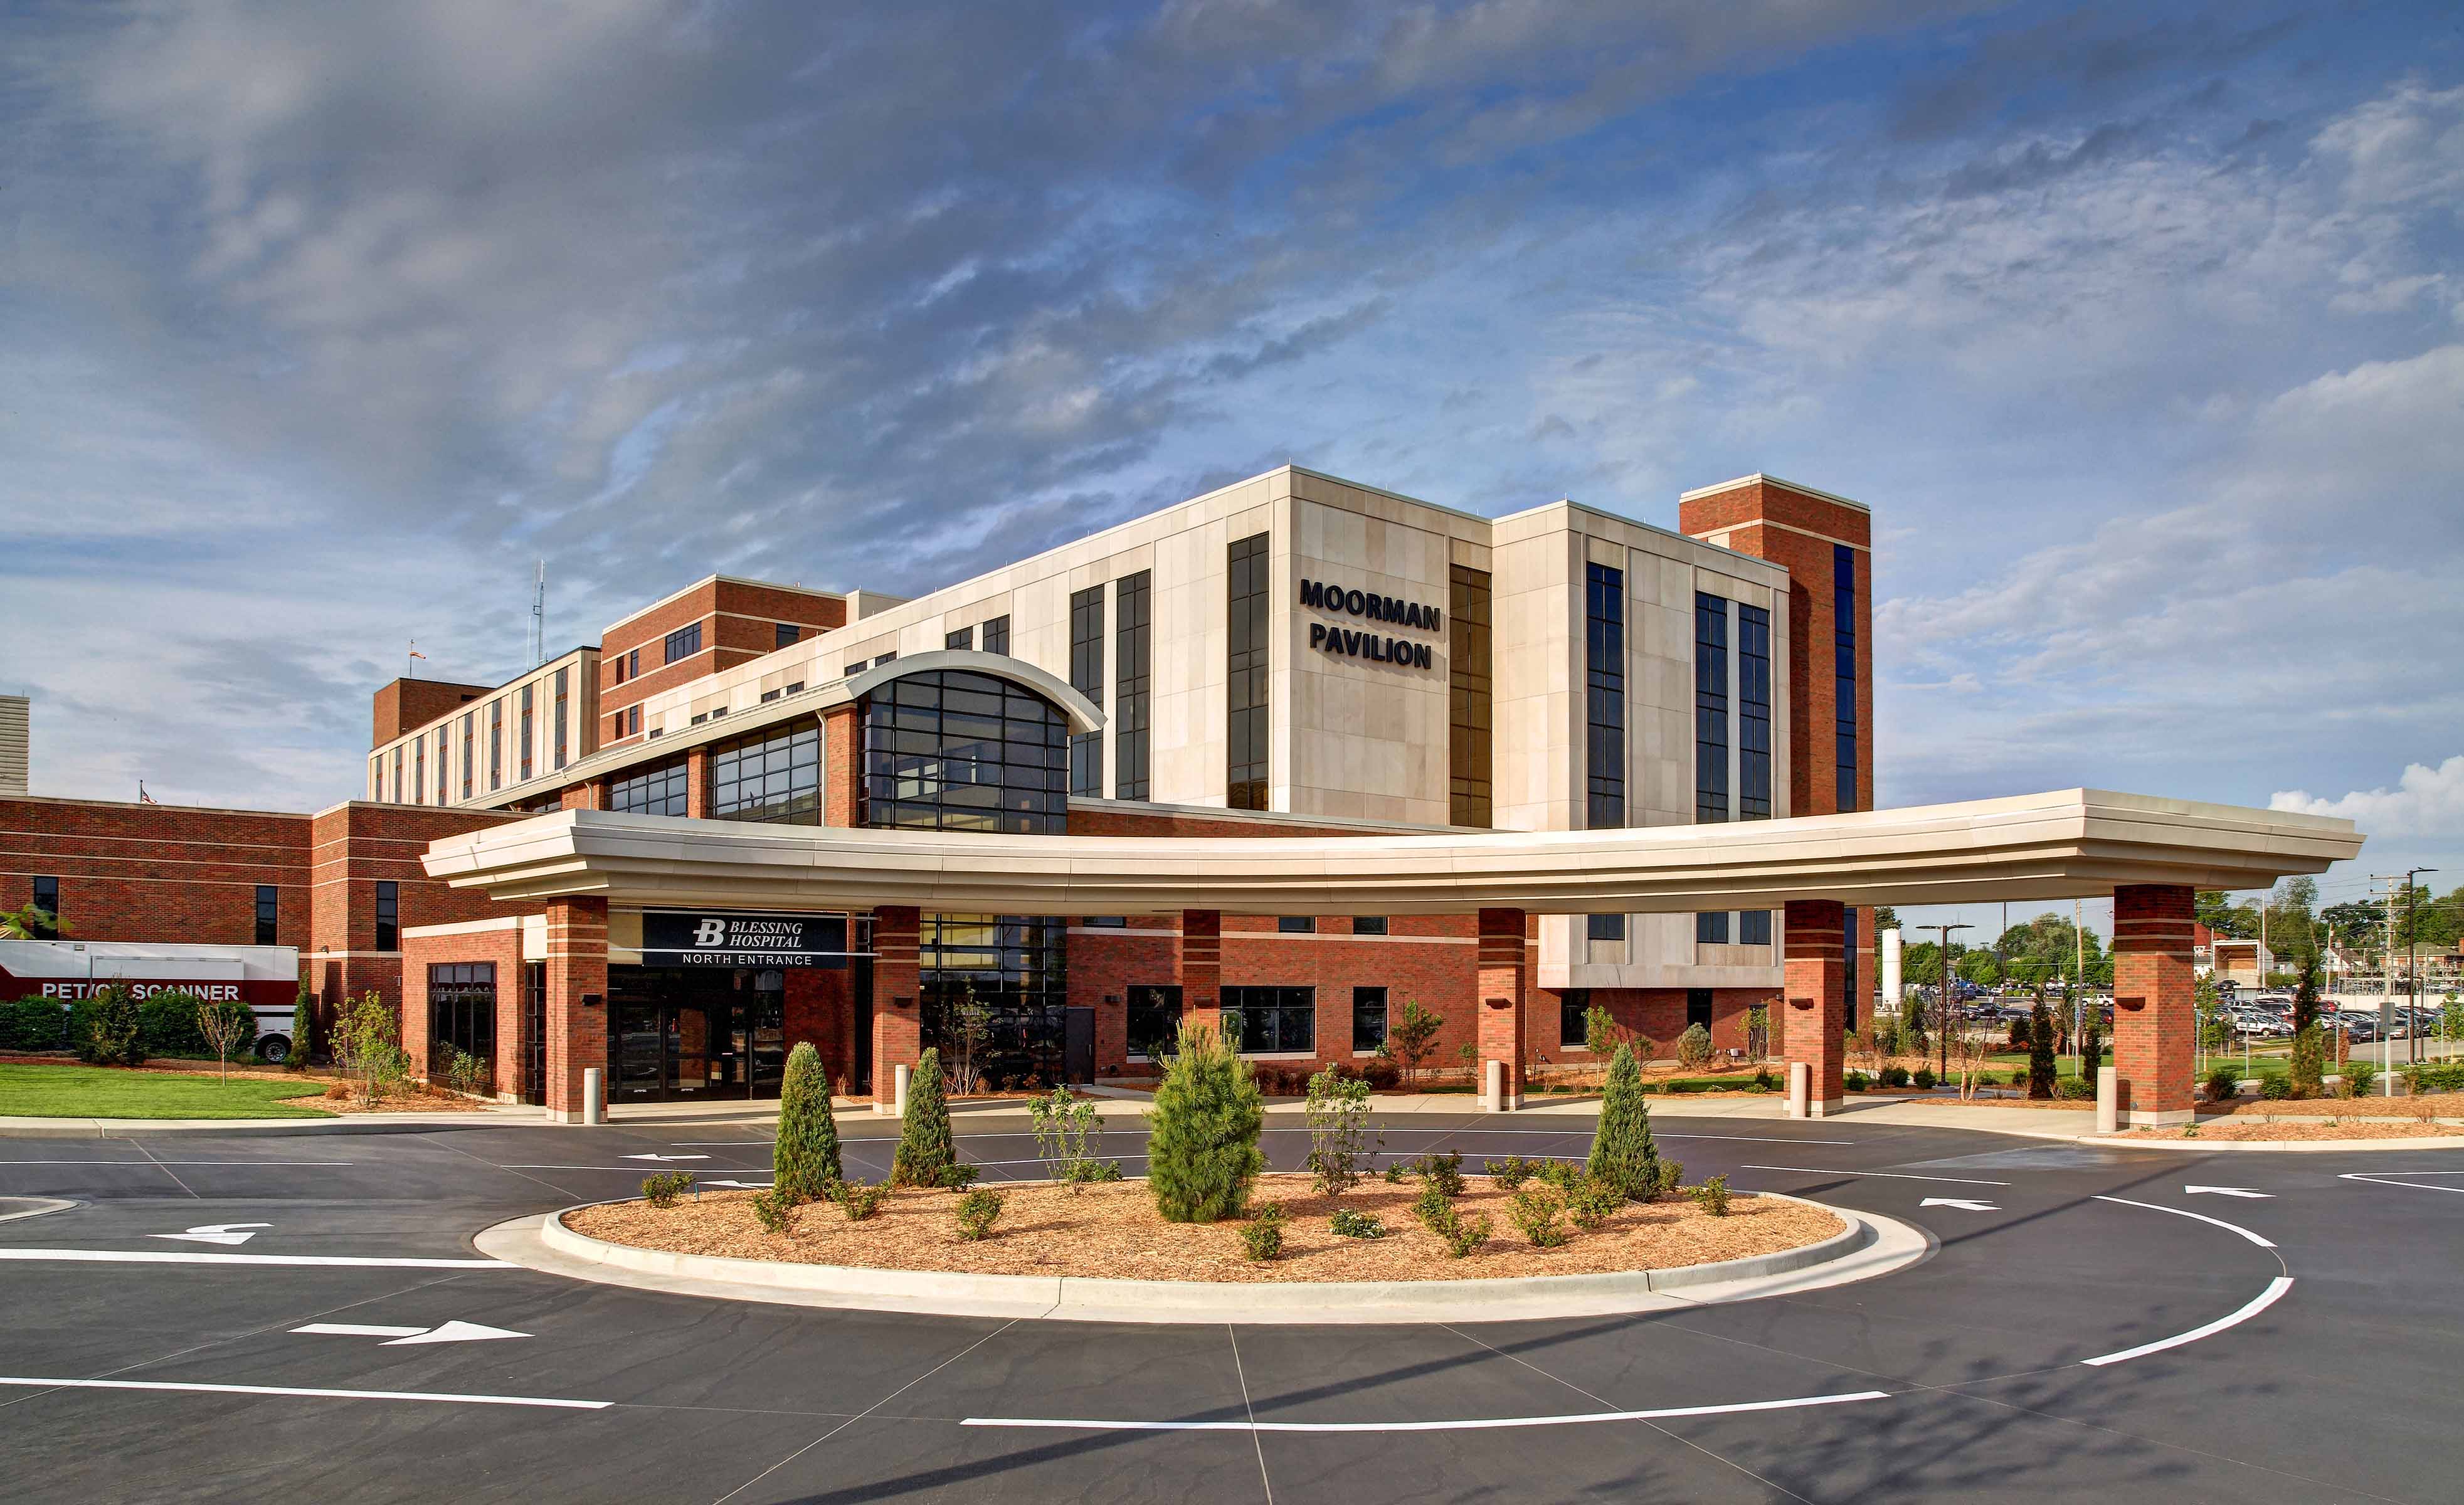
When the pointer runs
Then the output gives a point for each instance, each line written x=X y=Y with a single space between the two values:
x=1622 y=1154
x=303 y=1029
x=806 y=1159
x=115 y=1029
x=1202 y=1138
x=1981 y=969
x=366 y=1045
x=33 y=923
x=1412 y=1035
x=2041 y=1065
x=1885 y=918
x=925 y=1151
x=2219 y=913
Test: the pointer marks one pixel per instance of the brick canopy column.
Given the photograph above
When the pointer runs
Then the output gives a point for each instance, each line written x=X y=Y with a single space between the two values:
x=698 y=783
x=577 y=1000
x=897 y=1014
x=1816 y=1006
x=2155 y=1024
x=1201 y=968
x=1504 y=976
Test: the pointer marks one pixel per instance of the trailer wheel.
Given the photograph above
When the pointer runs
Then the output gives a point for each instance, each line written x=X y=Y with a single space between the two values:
x=274 y=1049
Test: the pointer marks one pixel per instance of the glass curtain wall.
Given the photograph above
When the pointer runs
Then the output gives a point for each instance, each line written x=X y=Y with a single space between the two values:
x=1604 y=697
x=1245 y=787
x=1470 y=734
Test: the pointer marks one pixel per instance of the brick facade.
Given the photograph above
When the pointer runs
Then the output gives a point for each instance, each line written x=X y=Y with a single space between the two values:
x=1817 y=994
x=898 y=1011
x=740 y=620
x=2155 y=1027
x=502 y=949
x=577 y=1002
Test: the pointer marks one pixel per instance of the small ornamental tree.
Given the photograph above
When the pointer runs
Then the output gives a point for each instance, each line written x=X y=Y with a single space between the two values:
x=1694 y=1048
x=303 y=1030
x=2309 y=1043
x=364 y=1045
x=926 y=1154
x=806 y=1159
x=1412 y=1035
x=2041 y=1065
x=1203 y=1140
x=1622 y=1154
x=1338 y=1124
x=221 y=1026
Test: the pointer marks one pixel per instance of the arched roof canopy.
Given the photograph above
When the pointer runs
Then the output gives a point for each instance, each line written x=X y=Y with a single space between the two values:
x=1084 y=715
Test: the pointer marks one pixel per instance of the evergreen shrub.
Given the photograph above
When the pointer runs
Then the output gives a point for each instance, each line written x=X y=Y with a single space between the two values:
x=806 y=1156
x=925 y=1149
x=1202 y=1136
x=1622 y=1152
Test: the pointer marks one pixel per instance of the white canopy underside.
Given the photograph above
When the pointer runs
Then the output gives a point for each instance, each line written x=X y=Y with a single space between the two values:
x=2062 y=844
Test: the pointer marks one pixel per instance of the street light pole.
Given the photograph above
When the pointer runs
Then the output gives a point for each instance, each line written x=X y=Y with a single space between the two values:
x=2412 y=979
x=1942 y=1009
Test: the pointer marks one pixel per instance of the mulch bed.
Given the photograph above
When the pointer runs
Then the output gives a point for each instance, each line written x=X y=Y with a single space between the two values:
x=1114 y=1231
x=2433 y=1104
x=2301 y=1128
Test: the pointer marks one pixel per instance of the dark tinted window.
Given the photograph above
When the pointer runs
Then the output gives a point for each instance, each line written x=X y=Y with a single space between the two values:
x=388 y=916
x=1262 y=1020
x=1246 y=786
x=961 y=751
x=1296 y=923
x=683 y=643
x=1606 y=926
x=1843 y=633
x=1154 y=1018
x=1710 y=707
x=963 y=638
x=1753 y=928
x=46 y=898
x=1133 y=656
x=1368 y=1019
x=1469 y=733
x=1753 y=713
x=1711 y=929
x=997 y=635
x=788 y=632
x=658 y=789
x=461 y=1012
x=1698 y=1007
x=774 y=777
x=1574 y=1008
x=1604 y=697
x=1369 y=925
x=1087 y=677
x=269 y=914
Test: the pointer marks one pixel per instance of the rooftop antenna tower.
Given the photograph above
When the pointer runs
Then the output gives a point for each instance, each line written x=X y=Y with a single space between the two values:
x=539 y=616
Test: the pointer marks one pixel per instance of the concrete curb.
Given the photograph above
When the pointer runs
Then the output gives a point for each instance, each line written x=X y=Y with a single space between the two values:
x=2211 y=1146
x=1869 y=1246
x=131 y=1128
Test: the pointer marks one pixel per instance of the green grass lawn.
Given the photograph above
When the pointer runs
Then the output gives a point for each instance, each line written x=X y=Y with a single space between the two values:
x=106 y=1092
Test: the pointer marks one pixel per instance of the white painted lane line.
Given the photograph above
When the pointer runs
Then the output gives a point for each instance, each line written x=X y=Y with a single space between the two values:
x=359 y=1330
x=1888 y=1175
x=2266 y=1299
x=2158 y=1207
x=2390 y=1181
x=1477 y=1423
x=183 y=1163
x=667 y=1157
x=314 y=1394
x=168 y=1256
x=2229 y=1191
x=1961 y=1203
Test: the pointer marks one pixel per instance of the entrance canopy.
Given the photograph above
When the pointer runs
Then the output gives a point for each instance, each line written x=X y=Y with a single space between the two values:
x=2062 y=844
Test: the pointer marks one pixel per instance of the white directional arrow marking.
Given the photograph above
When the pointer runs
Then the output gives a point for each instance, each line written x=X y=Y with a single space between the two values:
x=215 y=1233
x=455 y=1331
x=667 y=1157
x=1961 y=1203
x=2231 y=1192
x=749 y=1186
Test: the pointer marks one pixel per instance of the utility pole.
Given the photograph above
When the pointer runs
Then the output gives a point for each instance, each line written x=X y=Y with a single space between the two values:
x=1941 y=1012
x=2079 y=995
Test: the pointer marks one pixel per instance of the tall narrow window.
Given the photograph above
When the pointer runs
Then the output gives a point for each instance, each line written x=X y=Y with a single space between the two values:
x=562 y=742
x=1698 y=1007
x=444 y=758
x=397 y=773
x=419 y=772
x=1368 y=1019
x=1087 y=677
x=997 y=635
x=1469 y=736
x=528 y=741
x=963 y=638
x=1843 y=635
x=1604 y=697
x=470 y=744
x=496 y=744
x=269 y=914
x=1848 y=955
x=46 y=898
x=1133 y=652
x=1710 y=707
x=388 y=916
x=633 y=719
x=1753 y=713
x=1245 y=788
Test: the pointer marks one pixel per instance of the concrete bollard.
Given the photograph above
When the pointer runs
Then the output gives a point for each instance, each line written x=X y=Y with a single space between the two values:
x=902 y=1077
x=594 y=1094
x=1800 y=1089
x=2108 y=1101
x=1492 y=1087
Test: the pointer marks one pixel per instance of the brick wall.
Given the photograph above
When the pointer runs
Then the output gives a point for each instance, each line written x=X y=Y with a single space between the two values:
x=409 y=703
x=132 y=872
x=502 y=947
x=354 y=847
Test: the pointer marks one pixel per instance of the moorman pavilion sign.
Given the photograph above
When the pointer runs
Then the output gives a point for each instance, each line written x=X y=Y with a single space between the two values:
x=1370 y=606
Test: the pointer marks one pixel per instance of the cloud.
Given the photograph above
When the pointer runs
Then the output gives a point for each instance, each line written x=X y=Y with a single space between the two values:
x=2426 y=802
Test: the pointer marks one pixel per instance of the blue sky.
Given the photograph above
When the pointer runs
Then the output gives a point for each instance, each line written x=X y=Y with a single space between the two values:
x=2137 y=326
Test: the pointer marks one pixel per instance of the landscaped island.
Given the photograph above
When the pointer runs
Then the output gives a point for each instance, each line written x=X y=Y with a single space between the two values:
x=1112 y=1230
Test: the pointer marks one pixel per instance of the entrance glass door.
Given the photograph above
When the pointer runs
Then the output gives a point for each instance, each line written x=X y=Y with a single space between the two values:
x=678 y=1035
